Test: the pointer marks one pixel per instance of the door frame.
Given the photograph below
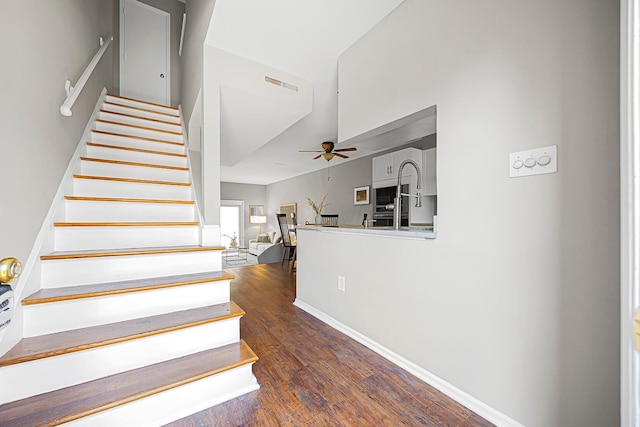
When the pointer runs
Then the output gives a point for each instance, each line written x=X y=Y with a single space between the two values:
x=167 y=43
x=629 y=210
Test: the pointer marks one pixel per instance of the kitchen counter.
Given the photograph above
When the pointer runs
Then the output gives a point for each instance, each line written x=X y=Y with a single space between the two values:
x=403 y=233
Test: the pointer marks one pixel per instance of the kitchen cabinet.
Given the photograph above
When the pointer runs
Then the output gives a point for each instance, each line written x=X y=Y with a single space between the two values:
x=429 y=172
x=385 y=168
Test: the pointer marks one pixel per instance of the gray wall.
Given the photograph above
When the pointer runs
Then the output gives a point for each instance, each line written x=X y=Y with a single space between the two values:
x=175 y=9
x=198 y=17
x=344 y=177
x=251 y=195
x=517 y=300
x=44 y=44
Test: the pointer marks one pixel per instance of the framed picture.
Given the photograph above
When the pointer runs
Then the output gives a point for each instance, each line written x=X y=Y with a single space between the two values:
x=256 y=210
x=289 y=209
x=361 y=195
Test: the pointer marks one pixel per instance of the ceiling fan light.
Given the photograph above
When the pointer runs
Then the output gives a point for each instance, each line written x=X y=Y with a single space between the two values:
x=328 y=156
x=327 y=146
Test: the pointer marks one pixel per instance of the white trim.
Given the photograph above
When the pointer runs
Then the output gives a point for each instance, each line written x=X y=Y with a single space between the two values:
x=445 y=387
x=30 y=280
x=194 y=193
x=184 y=24
x=629 y=210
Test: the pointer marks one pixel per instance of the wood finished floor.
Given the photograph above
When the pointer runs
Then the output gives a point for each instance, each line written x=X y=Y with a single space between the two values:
x=313 y=375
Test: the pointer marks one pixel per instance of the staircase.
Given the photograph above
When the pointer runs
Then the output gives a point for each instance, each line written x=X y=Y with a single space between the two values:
x=133 y=324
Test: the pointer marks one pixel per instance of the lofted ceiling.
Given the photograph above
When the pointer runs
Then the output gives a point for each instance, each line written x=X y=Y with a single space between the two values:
x=259 y=139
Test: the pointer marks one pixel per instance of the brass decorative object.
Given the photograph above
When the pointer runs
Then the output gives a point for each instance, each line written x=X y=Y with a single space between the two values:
x=10 y=268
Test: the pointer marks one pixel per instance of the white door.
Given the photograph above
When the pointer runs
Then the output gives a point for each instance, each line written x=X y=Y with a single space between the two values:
x=144 y=52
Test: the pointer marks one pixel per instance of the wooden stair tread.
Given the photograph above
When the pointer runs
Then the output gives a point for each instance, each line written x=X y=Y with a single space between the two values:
x=140 y=118
x=71 y=403
x=44 y=296
x=139 y=150
x=109 y=122
x=43 y=346
x=127 y=200
x=125 y=163
x=128 y=224
x=144 y=138
x=127 y=252
x=175 y=116
x=143 y=102
x=139 y=181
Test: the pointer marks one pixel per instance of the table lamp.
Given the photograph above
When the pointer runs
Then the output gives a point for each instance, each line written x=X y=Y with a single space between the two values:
x=258 y=219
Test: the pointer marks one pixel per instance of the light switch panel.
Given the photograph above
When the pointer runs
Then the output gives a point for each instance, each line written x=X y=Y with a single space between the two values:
x=536 y=161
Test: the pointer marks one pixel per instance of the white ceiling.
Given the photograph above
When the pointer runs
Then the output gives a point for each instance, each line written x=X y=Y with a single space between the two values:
x=300 y=37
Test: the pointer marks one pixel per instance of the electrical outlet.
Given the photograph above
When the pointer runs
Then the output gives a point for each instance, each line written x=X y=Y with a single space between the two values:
x=341 y=283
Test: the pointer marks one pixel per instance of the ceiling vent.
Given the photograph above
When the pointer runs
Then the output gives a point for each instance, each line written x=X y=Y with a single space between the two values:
x=280 y=83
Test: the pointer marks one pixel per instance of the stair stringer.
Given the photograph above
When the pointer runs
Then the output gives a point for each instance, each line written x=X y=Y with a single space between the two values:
x=30 y=280
x=209 y=234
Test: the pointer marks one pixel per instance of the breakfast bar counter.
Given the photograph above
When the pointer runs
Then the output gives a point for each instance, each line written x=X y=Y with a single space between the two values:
x=421 y=232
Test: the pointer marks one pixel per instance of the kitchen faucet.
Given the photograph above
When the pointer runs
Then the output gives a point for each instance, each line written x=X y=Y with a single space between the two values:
x=397 y=201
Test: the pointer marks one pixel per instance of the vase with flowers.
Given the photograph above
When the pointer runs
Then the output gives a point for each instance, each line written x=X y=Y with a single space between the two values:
x=234 y=239
x=318 y=207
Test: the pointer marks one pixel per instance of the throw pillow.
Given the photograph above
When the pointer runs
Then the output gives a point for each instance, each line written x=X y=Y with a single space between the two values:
x=263 y=238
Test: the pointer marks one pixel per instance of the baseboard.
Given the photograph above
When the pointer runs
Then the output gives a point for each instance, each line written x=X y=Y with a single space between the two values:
x=477 y=406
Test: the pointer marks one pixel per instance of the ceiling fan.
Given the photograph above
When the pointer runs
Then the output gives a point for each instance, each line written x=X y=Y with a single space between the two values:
x=328 y=152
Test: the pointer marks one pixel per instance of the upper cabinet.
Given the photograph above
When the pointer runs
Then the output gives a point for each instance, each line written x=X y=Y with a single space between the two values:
x=382 y=168
x=429 y=172
x=385 y=168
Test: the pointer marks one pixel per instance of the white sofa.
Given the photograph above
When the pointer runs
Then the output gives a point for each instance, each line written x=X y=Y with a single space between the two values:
x=262 y=242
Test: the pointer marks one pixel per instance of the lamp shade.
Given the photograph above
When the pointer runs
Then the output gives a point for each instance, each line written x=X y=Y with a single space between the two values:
x=258 y=219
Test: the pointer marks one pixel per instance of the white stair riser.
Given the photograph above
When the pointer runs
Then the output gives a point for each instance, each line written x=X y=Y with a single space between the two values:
x=134 y=190
x=80 y=238
x=51 y=373
x=149 y=123
x=135 y=156
x=88 y=167
x=137 y=104
x=84 y=271
x=176 y=403
x=130 y=130
x=97 y=211
x=142 y=113
x=123 y=141
x=49 y=318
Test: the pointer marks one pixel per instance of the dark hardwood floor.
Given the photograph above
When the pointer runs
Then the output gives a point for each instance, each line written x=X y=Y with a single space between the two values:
x=313 y=375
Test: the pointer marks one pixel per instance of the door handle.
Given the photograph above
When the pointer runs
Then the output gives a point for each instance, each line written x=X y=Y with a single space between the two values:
x=161 y=76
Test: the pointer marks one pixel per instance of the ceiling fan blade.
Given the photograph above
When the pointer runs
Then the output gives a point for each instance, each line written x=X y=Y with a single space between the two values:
x=341 y=155
x=310 y=151
x=317 y=157
x=345 y=149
